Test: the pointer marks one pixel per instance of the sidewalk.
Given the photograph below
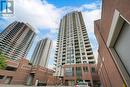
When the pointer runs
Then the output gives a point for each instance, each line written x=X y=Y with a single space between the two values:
x=3 y=85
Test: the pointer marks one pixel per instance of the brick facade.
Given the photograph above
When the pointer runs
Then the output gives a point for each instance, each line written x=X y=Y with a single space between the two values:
x=88 y=76
x=108 y=69
x=19 y=71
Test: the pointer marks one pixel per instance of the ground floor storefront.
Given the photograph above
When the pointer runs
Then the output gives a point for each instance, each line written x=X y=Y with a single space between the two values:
x=81 y=73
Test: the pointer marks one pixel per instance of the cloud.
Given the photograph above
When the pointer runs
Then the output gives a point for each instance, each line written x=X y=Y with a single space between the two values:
x=88 y=6
x=89 y=17
x=45 y=16
x=41 y=15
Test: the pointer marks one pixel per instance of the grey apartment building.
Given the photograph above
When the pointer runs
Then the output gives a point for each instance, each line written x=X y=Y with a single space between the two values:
x=41 y=52
x=16 y=40
x=73 y=45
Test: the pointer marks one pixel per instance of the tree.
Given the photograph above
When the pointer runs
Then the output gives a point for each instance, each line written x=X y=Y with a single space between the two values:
x=2 y=61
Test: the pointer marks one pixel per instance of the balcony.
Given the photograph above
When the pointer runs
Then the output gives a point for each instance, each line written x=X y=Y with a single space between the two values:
x=78 y=60
x=90 y=53
x=87 y=42
x=76 y=47
x=76 y=40
x=55 y=60
x=88 y=49
x=90 y=58
x=57 y=48
x=77 y=52
x=87 y=46
x=63 y=55
x=55 y=64
x=63 y=58
x=91 y=62
x=86 y=38
x=56 y=57
x=63 y=63
x=64 y=52
x=56 y=54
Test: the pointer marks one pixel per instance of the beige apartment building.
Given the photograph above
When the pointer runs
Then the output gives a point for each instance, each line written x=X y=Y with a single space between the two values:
x=73 y=49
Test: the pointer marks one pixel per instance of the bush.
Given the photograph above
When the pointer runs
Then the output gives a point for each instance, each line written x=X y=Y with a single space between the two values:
x=2 y=61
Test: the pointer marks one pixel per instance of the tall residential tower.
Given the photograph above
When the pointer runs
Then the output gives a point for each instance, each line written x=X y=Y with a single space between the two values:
x=73 y=47
x=16 y=40
x=41 y=52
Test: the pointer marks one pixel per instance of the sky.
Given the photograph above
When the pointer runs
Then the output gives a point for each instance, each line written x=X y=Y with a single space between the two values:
x=45 y=15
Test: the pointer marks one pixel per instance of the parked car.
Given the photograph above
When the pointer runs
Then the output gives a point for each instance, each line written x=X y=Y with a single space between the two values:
x=81 y=84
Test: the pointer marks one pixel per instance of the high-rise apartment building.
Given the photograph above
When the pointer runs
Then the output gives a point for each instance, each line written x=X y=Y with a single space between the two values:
x=73 y=43
x=73 y=47
x=41 y=52
x=16 y=40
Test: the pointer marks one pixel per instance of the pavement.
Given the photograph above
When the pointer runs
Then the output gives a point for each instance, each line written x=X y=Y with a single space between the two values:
x=3 y=85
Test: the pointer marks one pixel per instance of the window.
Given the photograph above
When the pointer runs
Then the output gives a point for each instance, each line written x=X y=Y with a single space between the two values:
x=85 y=69
x=122 y=46
x=81 y=46
x=84 y=58
x=83 y=53
x=78 y=72
x=69 y=71
x=93 y=70
x=84 y=62
x=81 y=42
x=118 y=43
x=68 y=61
x=9 y=68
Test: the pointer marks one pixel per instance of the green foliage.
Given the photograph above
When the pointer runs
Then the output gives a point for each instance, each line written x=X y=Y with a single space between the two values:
x=2 y=61
x=78 y=78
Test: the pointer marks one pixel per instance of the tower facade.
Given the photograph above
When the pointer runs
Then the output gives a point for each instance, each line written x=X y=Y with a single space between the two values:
x=41 y=53
x=73 y=45
x=74 y=55
x=16 y=40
